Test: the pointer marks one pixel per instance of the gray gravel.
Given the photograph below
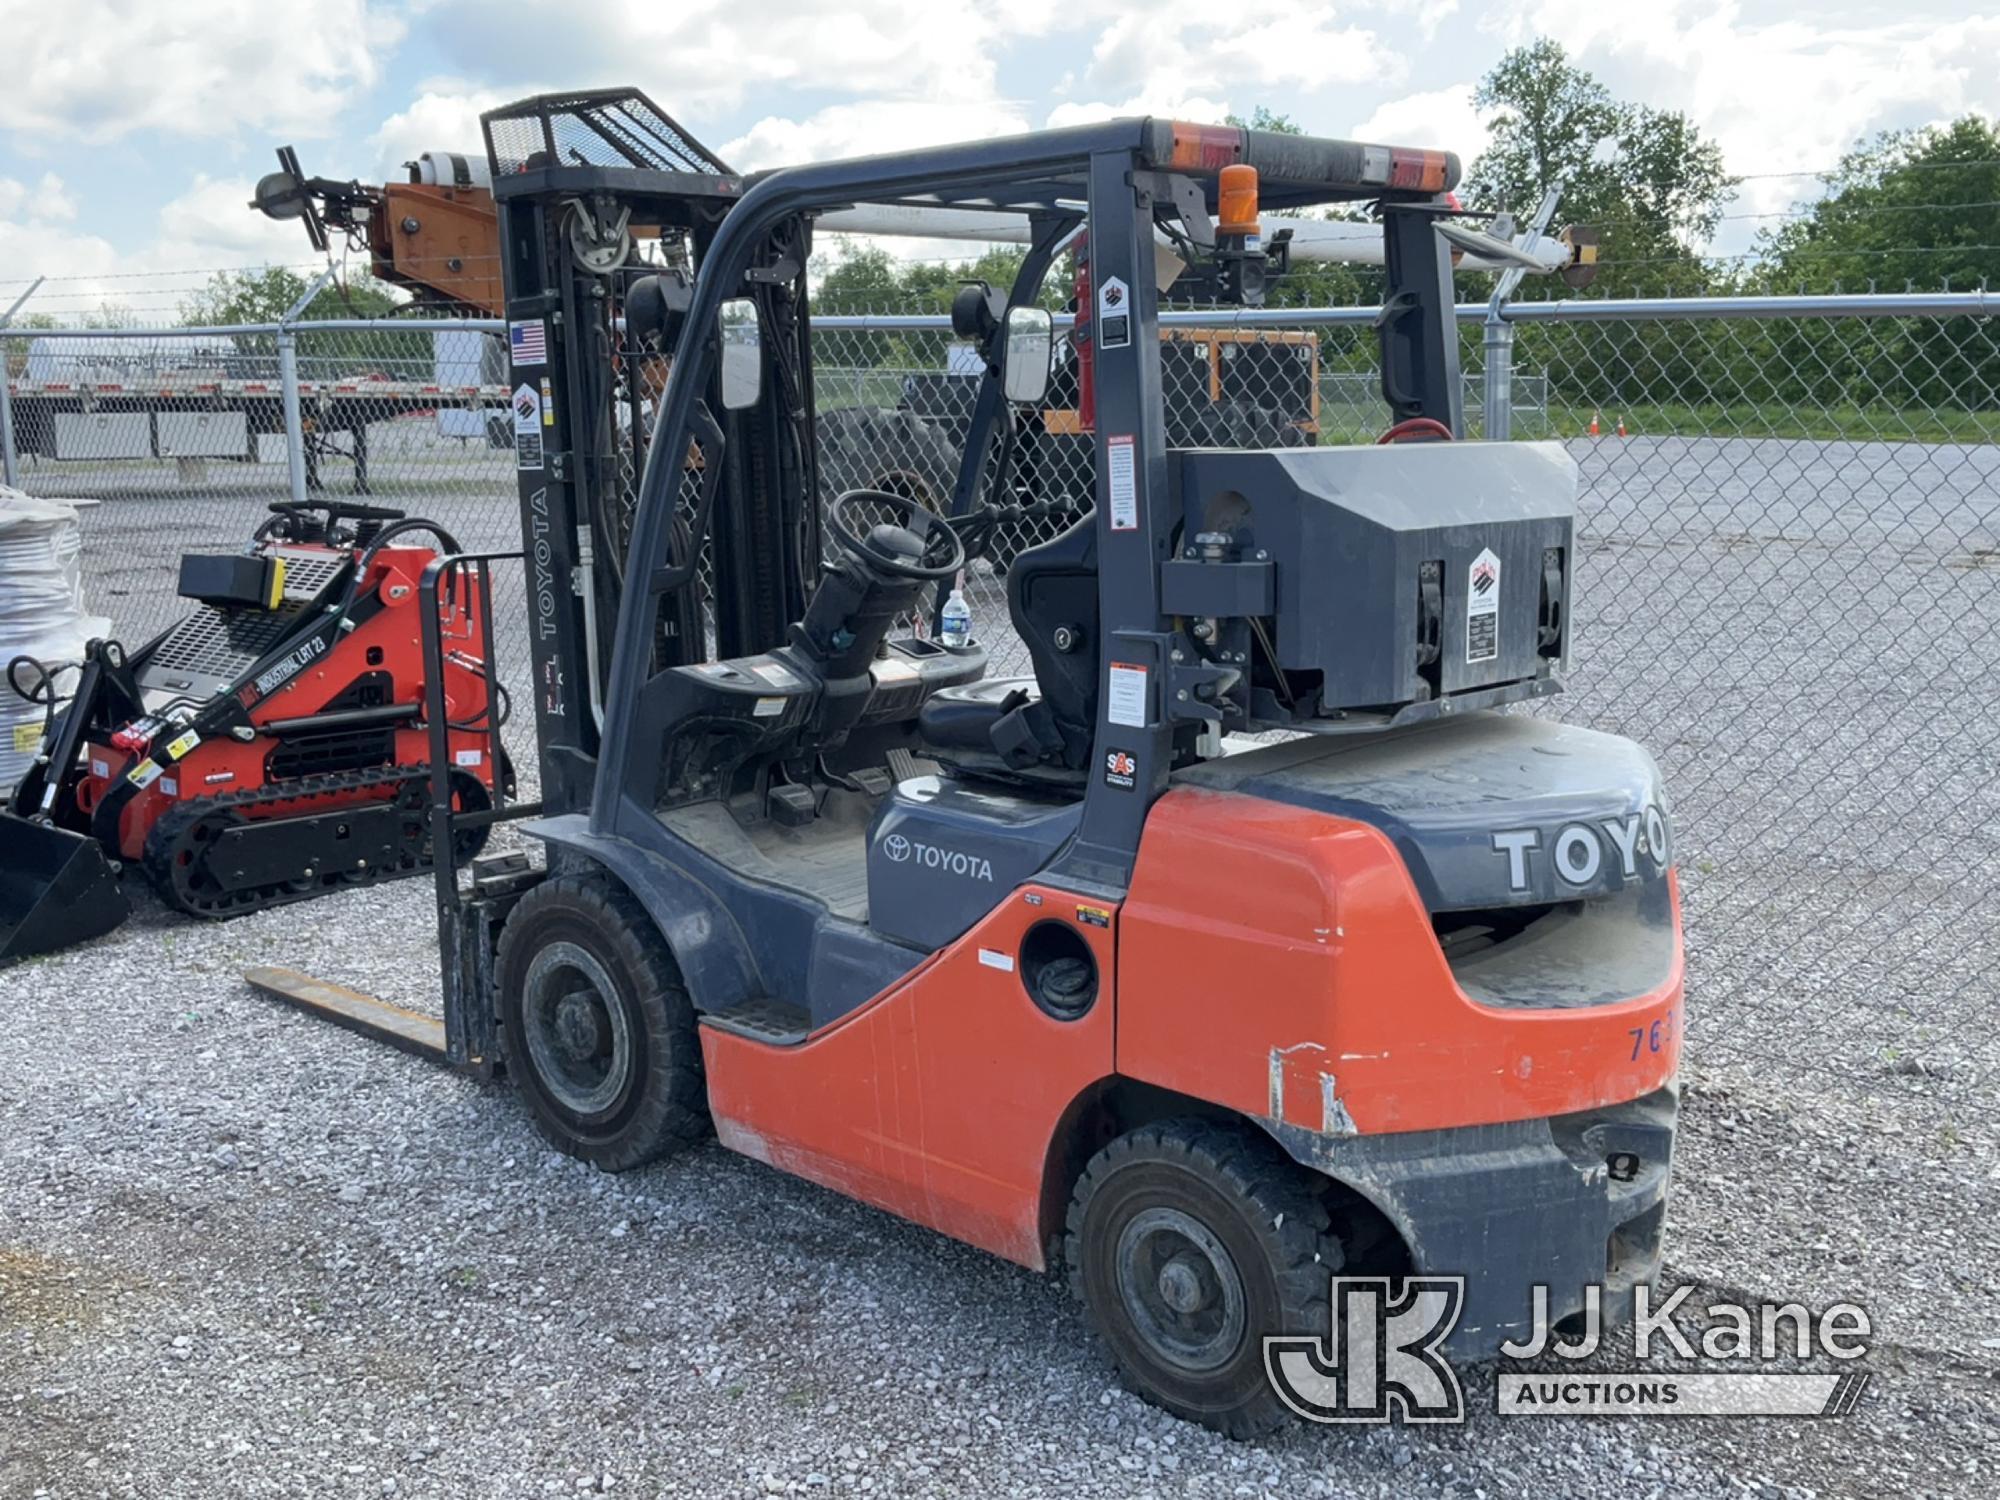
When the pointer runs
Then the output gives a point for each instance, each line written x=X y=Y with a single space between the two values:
x=242 y=1253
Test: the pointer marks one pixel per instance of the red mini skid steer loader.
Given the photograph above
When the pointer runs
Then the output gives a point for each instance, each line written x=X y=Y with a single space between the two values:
x=268 y=747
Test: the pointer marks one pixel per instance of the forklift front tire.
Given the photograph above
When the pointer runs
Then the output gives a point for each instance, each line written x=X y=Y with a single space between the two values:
x=598 y=1031
x=1189 y=1243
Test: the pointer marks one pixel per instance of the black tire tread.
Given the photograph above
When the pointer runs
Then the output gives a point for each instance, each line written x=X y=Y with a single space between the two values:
x=674 y=1114
x=1287 y=1212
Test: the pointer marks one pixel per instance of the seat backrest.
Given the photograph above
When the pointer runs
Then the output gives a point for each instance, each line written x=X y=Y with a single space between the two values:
x=1052 y=590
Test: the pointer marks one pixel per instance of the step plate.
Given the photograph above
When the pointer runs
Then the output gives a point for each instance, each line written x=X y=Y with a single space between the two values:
x=763 y=1021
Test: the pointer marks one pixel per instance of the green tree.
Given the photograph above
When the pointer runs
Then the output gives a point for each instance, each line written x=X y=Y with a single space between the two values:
x=1645 y=179
x=263 y=295
x=1914 y=209
x=1265 y=118
x=866 y=278
x=1909 y=210
x=14 y=352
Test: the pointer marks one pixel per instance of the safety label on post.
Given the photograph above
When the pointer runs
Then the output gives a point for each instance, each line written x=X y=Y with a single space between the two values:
x=1114 y=314
x=1125 y=703
x=527 y=405
x=1120 y=473
x=1482 y=608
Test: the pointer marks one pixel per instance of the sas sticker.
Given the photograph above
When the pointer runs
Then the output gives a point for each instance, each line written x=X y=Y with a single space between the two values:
x=1094 y=916
x=27 y=739
x=1121 y=770
x=144 y=774
x=179 y=746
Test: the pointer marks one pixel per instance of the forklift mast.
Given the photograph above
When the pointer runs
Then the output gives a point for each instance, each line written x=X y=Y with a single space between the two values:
x=582 y=182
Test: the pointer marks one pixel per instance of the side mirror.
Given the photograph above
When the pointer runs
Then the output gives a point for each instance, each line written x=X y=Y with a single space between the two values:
x=1024 y=360
x=742 y=354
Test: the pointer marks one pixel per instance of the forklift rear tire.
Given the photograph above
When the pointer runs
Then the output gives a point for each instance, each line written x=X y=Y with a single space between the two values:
x=598 y=1032
x=1189 y=1243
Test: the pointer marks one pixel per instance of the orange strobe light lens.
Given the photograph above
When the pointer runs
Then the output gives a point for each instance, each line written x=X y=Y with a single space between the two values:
x=1236 y=206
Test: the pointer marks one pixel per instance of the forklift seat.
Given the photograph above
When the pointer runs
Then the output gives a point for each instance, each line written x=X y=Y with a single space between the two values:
x=962 y=718
x=1044 y=722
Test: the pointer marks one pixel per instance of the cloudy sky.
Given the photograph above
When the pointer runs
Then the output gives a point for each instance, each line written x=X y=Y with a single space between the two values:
x=131 y=130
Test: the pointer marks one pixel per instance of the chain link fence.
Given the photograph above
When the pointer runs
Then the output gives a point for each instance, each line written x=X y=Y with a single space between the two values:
x=1786 y=572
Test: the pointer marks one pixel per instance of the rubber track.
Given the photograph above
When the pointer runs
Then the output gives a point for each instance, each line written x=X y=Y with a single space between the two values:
x=164 y=839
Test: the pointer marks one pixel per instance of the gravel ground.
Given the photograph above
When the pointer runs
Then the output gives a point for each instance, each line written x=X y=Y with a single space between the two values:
x=243 y=1253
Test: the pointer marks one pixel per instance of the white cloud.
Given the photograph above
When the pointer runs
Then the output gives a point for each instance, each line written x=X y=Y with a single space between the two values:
x=35 y=240
x=1168 y=43
x=191 y=67
x=443 y=117
x=47 y=202
x=212 y=224
x=702 y=57
x=1166 y=103
x=1437 y=119
x=869 y=126
x=206 y=227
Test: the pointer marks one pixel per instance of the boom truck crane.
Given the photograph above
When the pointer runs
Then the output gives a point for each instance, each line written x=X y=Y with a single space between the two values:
x=1061 y=964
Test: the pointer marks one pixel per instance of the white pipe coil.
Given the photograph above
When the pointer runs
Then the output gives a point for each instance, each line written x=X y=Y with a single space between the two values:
x=42 y=612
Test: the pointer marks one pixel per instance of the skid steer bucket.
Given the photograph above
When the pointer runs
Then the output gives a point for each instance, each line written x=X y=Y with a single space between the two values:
x=56 y=888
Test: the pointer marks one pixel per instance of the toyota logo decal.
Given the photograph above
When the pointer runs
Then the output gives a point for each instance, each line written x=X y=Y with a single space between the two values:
x=896 y=847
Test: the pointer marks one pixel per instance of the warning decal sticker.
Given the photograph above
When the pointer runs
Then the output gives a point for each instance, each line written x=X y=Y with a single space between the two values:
x=1482 y=608
x=1126 y=700
x=1120 y=475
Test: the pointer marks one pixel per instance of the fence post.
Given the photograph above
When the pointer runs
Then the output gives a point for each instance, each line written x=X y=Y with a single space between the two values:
x=295 y=427
x=1498 y=395
x=288 y=383
x=8 y=476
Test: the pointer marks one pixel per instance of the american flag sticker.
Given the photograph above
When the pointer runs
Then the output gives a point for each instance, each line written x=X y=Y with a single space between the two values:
x=528 y=342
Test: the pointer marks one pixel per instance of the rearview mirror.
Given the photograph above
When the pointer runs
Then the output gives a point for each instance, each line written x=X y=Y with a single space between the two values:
x=742 y=354
x=1024 y=361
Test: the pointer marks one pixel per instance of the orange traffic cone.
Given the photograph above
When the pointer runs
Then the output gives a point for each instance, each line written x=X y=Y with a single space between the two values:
x=1593 y=424
x=1621 y=424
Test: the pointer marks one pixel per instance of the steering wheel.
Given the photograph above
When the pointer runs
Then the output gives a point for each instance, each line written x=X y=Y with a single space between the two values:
x=866 y=548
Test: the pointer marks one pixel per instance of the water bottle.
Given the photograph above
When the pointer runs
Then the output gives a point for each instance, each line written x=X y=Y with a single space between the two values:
x=955 y=628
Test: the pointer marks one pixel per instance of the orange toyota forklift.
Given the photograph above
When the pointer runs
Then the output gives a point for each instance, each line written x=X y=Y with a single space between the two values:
x=1065 y=964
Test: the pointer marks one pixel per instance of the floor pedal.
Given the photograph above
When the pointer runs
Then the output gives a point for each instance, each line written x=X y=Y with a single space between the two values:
x=905 y=765
x=763 y=1020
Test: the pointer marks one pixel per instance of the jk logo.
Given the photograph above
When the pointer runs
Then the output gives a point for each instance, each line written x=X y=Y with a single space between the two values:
x=1379 y=1358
